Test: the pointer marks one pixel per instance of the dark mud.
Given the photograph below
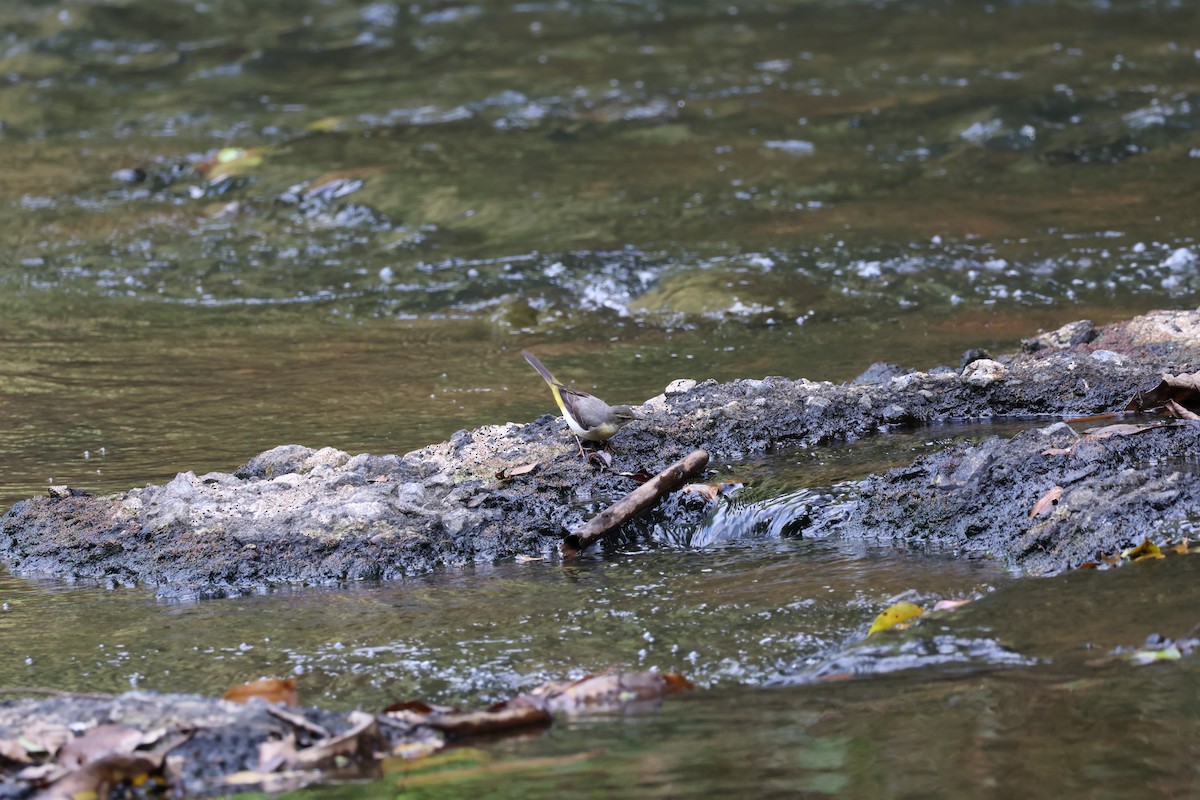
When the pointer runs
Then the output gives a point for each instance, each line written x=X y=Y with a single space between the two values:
x=297 y=515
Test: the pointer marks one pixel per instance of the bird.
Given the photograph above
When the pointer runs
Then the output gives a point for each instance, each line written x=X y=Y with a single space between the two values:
x=587 y=416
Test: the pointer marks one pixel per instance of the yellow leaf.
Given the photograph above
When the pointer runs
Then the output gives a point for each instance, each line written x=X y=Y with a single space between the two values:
x=231 y=161
x=895 y=614
x=327 y=124
x=1147 y=549
x=1143 y=657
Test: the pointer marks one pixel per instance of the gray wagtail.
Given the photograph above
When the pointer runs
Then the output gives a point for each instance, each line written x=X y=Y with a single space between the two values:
x=587 y=416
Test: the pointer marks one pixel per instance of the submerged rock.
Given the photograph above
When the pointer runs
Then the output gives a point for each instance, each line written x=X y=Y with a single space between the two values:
x=298 y=515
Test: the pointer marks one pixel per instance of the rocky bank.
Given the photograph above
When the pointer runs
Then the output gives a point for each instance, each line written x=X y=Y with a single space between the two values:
x=295 y=515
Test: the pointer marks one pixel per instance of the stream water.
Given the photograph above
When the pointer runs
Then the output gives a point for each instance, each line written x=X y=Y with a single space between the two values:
x=229 y=226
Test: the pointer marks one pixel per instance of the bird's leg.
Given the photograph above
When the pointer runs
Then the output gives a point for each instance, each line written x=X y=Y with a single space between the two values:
x=582 y=454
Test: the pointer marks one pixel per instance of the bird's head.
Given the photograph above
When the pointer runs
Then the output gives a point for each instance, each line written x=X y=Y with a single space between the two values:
x=623 y=415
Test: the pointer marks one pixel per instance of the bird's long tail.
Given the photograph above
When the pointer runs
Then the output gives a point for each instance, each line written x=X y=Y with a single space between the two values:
x=539 y=366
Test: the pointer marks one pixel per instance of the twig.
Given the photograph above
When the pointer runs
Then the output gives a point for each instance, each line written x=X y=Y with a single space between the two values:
x=634 y=503
x=297 y=721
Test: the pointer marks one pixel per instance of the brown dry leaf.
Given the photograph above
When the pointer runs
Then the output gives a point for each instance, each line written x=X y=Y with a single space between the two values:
x=1057 y=451
x=112 y=776
x=273 y=690
x=297 y=721
x=1050 y=498
x=1181 y=390
x=1121 y=429
x=1177 y=411
x=473 y=723
x=508 y=473
x=1180 y=547
x=949 y=605
x=601 y=457
x=99 y=742
x=612 y=691
x=13 y=752
x=521 y=712
x=706 y=490
x=44 y=738
x=711 y=491
x=356 y=745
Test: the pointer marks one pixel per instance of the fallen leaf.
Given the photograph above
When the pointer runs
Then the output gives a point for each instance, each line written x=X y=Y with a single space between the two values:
x=1177 y=411
x=230 y=161
x=273 y=690
x=112 y=776
x=1180 y=547
x=44 y=738
x=895 y=615
x=1173 y=394
x=949 y=605
x=297 y=721
x=1050 y=498
x=474 y=723
x=98 y=742
x=13 y=752
x=356 y=745
x=508 y=473
x=1120 y=429
x=601 y=457
x=705 y=490
x=711 y=491
x=1147 y=549
x=1057 y=451
x=1143 y=657
x=611 y=691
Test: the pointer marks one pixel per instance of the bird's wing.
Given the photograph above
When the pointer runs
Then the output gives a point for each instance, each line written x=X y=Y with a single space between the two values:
x=589 y=411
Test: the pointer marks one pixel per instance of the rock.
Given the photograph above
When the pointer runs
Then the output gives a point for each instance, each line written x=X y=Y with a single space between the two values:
x=1069 y=335
x=983 y=372
x=324 y=516
x=878 y=372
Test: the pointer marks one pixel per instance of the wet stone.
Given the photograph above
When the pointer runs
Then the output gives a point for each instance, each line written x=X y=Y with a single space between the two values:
x=983 y=372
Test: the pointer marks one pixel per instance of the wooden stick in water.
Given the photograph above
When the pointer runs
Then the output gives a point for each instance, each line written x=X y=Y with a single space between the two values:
x=634 y=503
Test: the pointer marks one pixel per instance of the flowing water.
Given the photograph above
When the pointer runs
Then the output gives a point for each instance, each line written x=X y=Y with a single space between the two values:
x=228 y=226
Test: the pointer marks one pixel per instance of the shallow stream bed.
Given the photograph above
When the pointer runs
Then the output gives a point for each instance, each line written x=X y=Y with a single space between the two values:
x=231 y=226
